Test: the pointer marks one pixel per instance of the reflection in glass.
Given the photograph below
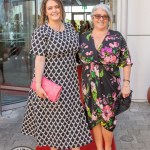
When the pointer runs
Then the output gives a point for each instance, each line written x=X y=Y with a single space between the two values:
x=17 y=22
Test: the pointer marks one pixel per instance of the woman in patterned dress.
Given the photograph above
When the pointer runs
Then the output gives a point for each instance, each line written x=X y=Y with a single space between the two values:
x=102 y=52
x=60 y=125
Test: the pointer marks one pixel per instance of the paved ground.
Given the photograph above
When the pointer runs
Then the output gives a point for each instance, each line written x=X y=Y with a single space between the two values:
x=132 y=131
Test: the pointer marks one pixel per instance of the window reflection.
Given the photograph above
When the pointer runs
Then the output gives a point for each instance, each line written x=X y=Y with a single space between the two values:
x=17 y=22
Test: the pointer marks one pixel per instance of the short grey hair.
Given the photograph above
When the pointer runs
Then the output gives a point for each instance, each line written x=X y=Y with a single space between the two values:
x=104 y=7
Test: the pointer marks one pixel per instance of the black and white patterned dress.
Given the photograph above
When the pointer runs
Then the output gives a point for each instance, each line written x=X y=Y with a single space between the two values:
x=62 y=124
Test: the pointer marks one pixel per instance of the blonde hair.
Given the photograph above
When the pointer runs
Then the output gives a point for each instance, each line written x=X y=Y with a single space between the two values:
x=43 y=17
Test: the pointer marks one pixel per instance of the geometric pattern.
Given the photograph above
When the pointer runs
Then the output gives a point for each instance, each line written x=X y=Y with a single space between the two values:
x=62 y=124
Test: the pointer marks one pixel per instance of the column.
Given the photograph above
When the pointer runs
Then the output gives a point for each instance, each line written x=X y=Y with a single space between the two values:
x=122 y=16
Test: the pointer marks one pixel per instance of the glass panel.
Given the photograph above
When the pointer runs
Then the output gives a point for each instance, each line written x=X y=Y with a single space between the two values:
x=78 y=16
x=88 y=8
x=67 y=8
x=17 y=21
x=39 y=6
x=77 y=9
x=12 y=97
x=68 y=17
x=88 y=17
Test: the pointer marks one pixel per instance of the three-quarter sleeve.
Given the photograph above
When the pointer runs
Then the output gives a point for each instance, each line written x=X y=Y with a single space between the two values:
x=38 y=43
x=124 y=58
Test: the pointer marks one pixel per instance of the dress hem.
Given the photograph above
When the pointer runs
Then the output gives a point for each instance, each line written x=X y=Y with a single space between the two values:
x=60 y=148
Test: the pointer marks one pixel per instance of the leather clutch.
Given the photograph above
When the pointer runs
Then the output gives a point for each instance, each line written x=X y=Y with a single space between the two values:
x=52 y=89
x=122 y=104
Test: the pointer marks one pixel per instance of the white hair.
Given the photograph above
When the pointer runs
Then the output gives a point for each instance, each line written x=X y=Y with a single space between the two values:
x=104 y=7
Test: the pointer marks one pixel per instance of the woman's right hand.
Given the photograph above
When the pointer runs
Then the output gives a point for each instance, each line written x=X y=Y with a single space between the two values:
x=40 y=92
x=125 y=90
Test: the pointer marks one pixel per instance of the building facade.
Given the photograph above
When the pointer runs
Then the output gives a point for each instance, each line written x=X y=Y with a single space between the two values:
x=18 y=19
x=133 y=22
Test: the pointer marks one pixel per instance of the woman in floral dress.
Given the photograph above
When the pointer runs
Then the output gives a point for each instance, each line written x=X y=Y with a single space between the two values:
x=102 y=52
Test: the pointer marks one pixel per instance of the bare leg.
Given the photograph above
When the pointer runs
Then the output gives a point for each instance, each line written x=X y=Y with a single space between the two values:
x=108 y=136
x=97 y=131
x=76 y=148
x=53 y=148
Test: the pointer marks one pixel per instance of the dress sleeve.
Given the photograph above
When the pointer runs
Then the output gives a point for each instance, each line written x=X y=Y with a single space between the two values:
x=38 y=43
x=124 y=58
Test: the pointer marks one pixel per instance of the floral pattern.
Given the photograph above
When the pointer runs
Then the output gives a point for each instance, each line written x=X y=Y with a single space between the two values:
x=101 y=76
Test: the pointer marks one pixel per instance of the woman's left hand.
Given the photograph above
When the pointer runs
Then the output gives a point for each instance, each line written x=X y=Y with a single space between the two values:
x=125 y=90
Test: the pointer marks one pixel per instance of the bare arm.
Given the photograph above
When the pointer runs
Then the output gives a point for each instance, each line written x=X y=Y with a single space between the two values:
x=126 y=81
x=126 y=73
x=39 y=68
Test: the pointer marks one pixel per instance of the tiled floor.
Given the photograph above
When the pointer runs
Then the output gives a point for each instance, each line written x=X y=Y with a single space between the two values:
x=133 y=129
x=131 y=133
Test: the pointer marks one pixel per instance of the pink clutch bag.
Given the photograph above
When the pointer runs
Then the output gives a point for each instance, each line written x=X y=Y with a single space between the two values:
x=52 y=89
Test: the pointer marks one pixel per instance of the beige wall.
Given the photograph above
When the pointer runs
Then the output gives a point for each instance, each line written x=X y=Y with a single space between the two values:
x=134 y=22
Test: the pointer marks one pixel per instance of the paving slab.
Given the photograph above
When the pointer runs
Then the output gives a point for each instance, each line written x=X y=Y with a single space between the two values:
x=132 y=131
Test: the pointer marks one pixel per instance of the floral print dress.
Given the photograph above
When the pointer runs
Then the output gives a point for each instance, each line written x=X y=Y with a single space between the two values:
x=101 y=76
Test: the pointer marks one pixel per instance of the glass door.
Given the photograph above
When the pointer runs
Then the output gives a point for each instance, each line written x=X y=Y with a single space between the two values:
x=82 y=21
x=17 y=21
x=78 y=16
x=88 y=17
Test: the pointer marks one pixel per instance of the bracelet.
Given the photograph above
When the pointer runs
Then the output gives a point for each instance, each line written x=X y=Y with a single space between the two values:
x=126 y=80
